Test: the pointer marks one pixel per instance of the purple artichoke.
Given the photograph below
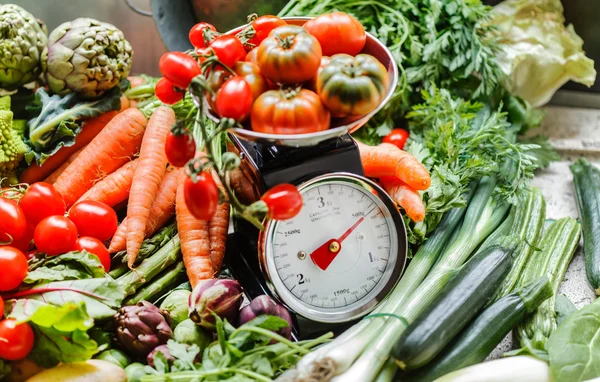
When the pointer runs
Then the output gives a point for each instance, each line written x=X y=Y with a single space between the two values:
x=164 y=349
x=222 y=297
x=266 y=305
x=141 y=328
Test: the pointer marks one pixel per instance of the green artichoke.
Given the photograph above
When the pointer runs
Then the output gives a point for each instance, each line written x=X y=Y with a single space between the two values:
x=187 y=332
x=176 y=306
x=87 y=57
x=141 y=328
x=22 y=40
x=135 y=372
x=115 y=356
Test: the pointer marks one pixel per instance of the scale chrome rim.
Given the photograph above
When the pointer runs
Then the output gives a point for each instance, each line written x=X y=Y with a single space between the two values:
x=342 y=126
x=347 y=313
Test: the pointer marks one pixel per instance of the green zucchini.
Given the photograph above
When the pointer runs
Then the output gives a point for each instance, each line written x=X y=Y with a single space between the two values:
x=587 y=188
x=483 y=334
x=527 y=227
x=557 y=248
x=462 y=298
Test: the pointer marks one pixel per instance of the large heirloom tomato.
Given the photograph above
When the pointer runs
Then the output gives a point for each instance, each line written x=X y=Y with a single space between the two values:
x=337 y=32
x=352 y=85
x=289 y=112
x=289 y=55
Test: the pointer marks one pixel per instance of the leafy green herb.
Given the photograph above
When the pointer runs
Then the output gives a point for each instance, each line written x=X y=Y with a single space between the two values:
x=69 y=266
x=574 y=347
x=58 y=122
x=544 y=154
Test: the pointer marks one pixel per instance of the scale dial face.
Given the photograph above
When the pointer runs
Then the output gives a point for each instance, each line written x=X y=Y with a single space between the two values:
x=341 y=254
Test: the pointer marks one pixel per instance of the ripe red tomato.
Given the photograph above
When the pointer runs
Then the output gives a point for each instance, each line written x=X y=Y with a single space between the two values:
x=41 y=200
x=1 y=308
x=179 y=68
x=263 y=26
x=252 y=56
x=23 y=244
x=95 y=219
x=253 y=77
x=95 y=246
x=14 y=268
x=197 y=34
x=234 y=99
x=167 y=92
x=12 y=221
x=16 y=340
x=397 y=137
x=229 y=50
x=289 y=55
x=283 y=201
x=180 y=148
x=338 y=32
x=55 y=235
x=201 y=197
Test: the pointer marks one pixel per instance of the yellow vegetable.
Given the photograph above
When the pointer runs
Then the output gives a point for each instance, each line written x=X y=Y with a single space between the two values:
x=94 y=370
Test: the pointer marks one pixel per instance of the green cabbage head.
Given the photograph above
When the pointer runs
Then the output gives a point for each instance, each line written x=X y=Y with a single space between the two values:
x=22 y=40
x=87 y=57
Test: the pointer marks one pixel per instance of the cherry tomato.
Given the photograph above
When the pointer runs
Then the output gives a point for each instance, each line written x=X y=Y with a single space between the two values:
x=14 y=268
x=252 y=56
x=41 y=200
x=180 y=149
x=12 y=221
x=234 y=99
x=397 y=137
x=263 y=26
x=283 y=201
x=229 y=50
x=1 y=308
x=289 y=55
x=337 y=32
x=197 y=34
x=23 y=244
x=201 y=197
x=96 y=247
x=179 y=68
x=167 y=92
x=55 y=235
x=95 y=219
x=16 y=340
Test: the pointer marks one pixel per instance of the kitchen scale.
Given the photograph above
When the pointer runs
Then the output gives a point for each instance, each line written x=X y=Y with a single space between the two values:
x=346 y=249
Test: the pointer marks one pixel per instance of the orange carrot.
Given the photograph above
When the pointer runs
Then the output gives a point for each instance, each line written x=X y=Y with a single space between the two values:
x=114 y=146
x=388 y=160
x=124 y=102
x=406 y=197
x=90 y=129
x=218 y=227
x=56 y=173
x=113 y=189
x=147 y=178
x=163 y=208
x=195 y=242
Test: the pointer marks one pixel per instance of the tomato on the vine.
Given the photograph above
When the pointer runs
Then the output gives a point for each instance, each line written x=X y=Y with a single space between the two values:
x=263 y=26
x=197 y=34
x=338 y=32
x=16 y=340
x=228 y=49
x=180 y=148
x=24 y=243
x=14 y=268
x=95 y=219
x=179 y=68
x=397 y=137
x=96 y=247
x=289 y=55
x=201 y=197
x=13 y=222
x=283 y=201
x=234 y=99
x=167 y=92
x=289 y=112
x=41 y=200
x=55 y=235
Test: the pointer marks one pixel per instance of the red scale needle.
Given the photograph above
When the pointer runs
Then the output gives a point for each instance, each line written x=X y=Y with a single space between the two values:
x=326 y=253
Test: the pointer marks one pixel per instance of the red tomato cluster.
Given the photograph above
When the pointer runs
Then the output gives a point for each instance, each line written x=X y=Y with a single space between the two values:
x=280 y=76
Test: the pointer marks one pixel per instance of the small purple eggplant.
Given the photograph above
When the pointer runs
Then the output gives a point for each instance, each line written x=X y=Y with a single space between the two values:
x=222 y=297
x=266 y=305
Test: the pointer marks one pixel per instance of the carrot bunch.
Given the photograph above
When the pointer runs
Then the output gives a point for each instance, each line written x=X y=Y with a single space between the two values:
x=400 y=174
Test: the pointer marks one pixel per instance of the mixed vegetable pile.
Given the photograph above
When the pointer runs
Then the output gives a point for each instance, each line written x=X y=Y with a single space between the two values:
x=118 y=190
